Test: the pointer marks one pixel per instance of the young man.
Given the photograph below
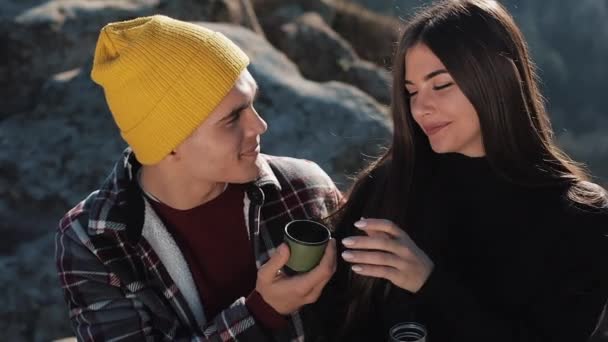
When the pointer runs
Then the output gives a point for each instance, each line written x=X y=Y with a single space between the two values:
x=183 y=241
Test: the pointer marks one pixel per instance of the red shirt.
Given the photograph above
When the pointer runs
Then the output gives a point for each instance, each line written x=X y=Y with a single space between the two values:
x=215 y=242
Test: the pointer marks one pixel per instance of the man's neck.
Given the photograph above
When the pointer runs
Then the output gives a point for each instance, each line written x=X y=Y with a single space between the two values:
x=178 y=192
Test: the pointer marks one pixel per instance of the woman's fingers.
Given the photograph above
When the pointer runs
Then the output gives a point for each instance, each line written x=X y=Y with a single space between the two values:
x=380 y=225
x=372 y=258
x=387 y=252
x=385 y=272
x=379 y=243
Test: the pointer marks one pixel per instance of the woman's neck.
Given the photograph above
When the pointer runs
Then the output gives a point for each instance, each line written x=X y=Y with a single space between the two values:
x=455 y=165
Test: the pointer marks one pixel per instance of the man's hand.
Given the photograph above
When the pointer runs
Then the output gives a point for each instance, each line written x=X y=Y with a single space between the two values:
x=288 y=294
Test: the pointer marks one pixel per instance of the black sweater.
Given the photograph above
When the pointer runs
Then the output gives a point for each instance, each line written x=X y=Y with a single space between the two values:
x=512 y=263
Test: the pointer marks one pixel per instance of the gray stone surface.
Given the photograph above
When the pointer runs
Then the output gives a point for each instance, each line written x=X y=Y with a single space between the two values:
x=322 y=55
x=41 y=38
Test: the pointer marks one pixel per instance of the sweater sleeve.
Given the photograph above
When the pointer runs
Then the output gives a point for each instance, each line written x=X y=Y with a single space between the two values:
x=265 y=314
x=566 y=308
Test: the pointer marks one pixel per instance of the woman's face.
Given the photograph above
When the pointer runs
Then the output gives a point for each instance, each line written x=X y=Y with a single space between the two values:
x=439 y=107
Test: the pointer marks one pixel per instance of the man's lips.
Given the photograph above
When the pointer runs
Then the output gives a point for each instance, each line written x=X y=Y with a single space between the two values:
x=252 y=151
x=433 y=128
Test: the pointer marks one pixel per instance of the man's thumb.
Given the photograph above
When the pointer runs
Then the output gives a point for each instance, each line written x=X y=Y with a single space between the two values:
x=275 y=263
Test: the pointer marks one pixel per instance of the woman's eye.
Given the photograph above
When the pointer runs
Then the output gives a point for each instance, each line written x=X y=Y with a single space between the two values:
x=443 y=86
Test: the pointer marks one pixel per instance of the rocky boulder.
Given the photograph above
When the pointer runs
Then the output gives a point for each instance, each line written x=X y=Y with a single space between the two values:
x=323 y=55
x=370 y=31
x=41 y=38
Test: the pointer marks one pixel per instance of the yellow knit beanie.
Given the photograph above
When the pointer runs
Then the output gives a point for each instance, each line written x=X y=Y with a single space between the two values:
x=162 y=77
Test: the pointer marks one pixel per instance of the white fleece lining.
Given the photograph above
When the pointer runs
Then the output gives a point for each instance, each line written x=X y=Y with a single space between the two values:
x=246 y=205
x=155 y=232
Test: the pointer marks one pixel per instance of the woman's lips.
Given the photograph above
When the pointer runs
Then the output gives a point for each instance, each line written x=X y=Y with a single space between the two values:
x=432 y=129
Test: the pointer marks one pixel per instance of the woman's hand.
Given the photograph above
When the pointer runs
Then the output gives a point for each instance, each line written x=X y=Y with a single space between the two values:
x=387 y=252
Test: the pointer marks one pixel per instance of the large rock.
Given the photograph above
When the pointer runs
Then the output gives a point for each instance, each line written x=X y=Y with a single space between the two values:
x=51 y=155
x=55 y=155
x=396 y=8
x=41 y=38
x=33 y=308
x=322 y=55
x=372 y=35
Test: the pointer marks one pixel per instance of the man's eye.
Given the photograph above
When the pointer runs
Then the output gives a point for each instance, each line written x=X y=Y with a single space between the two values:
x=234 y=117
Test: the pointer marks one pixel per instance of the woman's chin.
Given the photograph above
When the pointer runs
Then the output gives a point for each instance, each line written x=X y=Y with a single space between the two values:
x=440 y=149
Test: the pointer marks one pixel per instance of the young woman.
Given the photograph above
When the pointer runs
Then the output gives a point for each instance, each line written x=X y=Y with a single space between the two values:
x=474 y=223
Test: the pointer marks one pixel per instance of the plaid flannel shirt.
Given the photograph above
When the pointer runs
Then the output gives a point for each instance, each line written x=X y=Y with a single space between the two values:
x=124 y=277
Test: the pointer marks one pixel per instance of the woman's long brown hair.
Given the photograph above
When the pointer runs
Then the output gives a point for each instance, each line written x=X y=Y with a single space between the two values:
x=486 y=54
